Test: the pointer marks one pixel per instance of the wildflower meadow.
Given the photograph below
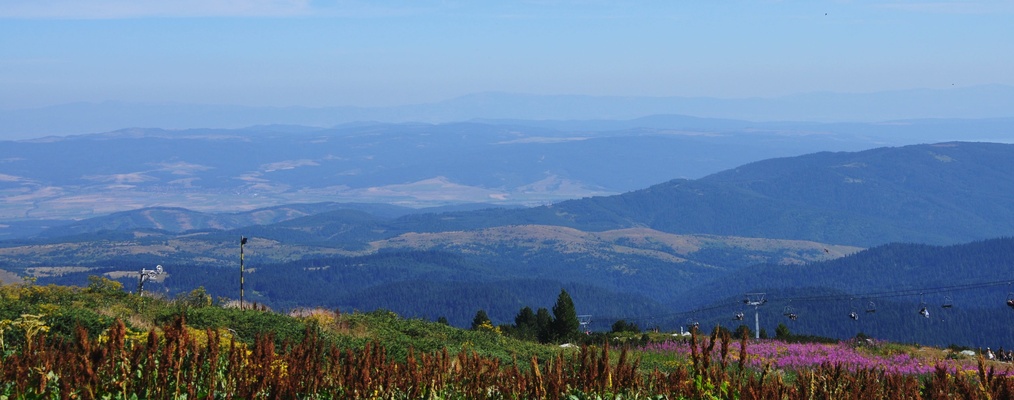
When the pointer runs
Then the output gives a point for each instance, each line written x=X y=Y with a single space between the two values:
x=176 y=361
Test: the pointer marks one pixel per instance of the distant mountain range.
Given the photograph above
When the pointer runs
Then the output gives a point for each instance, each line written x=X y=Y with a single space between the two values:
x=793 y=227
x=961 y=102
x=941 y=194
x=503 y=163
x=180 y=220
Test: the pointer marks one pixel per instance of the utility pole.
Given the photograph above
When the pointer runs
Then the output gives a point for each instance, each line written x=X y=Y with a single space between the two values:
x=755 y=300
x=242 y=241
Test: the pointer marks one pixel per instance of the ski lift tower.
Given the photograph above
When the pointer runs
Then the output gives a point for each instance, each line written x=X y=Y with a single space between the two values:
x=146 y=275
x=242 y=241
x=584 y=320
x=756 y=300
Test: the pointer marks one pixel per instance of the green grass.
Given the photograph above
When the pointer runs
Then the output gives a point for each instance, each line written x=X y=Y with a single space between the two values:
x=95 y=307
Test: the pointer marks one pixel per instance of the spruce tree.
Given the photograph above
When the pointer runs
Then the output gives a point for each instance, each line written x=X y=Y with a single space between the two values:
x=782 y=332
x=480 y=319
x=624 y=326
x=526 y=324
x=544 y=325
x=565 y=322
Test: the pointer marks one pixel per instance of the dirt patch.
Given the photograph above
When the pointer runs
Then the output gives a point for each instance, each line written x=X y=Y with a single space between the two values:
x=9 y=278
x=43 y=272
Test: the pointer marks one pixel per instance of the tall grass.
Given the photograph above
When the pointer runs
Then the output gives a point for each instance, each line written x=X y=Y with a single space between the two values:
x=183 y=362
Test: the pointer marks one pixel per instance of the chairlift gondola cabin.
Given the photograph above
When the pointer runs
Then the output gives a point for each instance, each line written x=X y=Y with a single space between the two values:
x=854 y=315
x=790 y=312
x=692 y=323
x=1010 y=300
x=948 y=302
x=754 y=299
x=871 y=307
x=738 y=316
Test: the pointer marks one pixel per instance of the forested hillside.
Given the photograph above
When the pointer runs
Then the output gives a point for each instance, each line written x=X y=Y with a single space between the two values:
x=886 y=286
x=618 y=254
x=963 y=287
x=413 y=164
x=938 y=194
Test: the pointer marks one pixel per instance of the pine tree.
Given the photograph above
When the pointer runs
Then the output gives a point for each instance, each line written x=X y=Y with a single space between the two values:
x=544 y=325
x=624 y=326
x=741 y=330
x=526 y=324
x=480 y=319
x=565 y=322
x=782 y=332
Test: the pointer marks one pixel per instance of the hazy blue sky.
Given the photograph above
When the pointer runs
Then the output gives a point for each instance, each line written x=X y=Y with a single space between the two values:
x=377 y=53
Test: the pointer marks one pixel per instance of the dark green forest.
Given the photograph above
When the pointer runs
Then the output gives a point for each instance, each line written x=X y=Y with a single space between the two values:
x=943 y=193
x=955 y=197
x=972 y=279
x=939 y=194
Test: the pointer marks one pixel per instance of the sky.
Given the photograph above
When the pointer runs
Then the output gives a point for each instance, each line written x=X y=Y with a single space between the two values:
x=321 y=53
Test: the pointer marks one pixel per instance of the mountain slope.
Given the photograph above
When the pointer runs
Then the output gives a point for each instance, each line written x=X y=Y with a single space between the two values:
x=411 y=164
x=219 y=170
x=177 y=220
x=939 y=194
x=964 y=287
x=936 y=194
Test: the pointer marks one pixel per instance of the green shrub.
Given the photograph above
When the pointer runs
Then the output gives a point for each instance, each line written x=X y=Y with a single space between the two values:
x=64 y=321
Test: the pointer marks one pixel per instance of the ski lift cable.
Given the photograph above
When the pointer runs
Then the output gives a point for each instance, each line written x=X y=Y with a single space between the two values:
x=903 y=293
x=871 y=295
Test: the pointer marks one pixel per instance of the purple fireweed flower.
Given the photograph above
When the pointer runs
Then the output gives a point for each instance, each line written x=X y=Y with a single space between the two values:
x=799 y=356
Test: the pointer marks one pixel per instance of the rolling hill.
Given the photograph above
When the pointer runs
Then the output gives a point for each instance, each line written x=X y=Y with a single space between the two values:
x=793 y=226
x=936 y=193
x=501 y=162
x=178 y=220
x=964 y=287
x=417 y=165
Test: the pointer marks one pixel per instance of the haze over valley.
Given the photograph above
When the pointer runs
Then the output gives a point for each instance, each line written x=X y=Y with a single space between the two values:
x=657 y=161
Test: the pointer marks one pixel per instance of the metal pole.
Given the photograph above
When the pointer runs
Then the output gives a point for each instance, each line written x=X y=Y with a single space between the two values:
x=242 y=241
x=756 y=322
x=756 y=300
x=146 y=275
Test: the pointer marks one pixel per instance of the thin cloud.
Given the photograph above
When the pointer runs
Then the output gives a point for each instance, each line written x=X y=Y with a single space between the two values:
x=120 y=9
x=10 y=178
